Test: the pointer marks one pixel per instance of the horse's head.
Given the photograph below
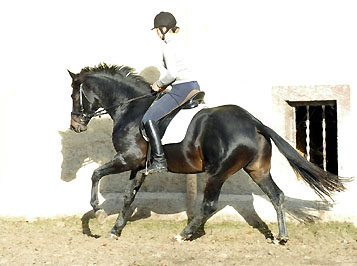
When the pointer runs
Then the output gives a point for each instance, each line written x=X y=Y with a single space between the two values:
x=84 y=103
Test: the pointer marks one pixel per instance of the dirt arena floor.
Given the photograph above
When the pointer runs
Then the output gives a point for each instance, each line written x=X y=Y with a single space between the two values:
x=149 y=242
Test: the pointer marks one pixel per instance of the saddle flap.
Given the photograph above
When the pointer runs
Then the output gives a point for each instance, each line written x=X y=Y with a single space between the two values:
x=193 y=100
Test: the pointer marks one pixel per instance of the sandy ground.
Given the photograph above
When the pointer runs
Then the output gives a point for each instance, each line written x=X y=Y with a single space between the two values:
x=149 y=242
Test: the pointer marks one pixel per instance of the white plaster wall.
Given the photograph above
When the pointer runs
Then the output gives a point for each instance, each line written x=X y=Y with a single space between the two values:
x=241 y=50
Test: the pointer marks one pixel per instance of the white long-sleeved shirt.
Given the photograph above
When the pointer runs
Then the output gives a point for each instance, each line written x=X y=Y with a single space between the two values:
x=175 y=62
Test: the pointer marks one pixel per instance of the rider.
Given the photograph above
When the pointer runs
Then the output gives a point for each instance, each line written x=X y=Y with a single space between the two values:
x=178 y=75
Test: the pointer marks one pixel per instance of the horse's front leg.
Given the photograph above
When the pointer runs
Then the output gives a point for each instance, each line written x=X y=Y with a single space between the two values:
x=133 y=187
x=106 y=169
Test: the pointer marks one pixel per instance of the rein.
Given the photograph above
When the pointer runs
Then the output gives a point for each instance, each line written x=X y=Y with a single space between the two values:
x=103 y=111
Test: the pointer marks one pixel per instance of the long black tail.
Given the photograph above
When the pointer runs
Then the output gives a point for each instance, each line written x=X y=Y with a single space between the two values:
x=322 y=182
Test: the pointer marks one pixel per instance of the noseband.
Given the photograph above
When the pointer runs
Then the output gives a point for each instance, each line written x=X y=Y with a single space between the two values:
x=101 y=111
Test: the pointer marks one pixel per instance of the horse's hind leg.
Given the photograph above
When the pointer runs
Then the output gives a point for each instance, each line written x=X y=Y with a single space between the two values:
x=259 y=170
x=276 y=196
x=208 y=208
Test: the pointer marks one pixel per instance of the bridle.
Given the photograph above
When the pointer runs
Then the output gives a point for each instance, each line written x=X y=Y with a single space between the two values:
x=81 y=112
x=101 y=111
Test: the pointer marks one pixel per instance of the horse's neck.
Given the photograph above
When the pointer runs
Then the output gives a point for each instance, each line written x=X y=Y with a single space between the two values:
x=121 y=98
x=124 y=103
x=130 y=114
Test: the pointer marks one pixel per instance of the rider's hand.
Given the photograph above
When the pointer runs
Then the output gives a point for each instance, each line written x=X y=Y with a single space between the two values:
x=155 y=87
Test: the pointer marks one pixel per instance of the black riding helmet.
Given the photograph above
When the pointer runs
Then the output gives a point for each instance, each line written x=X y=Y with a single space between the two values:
x=165 y=19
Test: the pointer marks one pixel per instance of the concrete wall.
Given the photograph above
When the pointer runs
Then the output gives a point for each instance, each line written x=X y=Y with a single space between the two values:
x=241 y=50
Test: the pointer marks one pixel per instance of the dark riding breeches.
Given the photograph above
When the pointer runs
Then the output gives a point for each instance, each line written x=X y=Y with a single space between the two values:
x=170 y=101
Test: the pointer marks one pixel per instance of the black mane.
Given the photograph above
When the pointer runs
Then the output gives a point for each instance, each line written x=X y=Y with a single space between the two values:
x=120 y=72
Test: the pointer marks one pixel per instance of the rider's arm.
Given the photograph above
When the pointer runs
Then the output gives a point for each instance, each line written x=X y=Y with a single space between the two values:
x=170 y=64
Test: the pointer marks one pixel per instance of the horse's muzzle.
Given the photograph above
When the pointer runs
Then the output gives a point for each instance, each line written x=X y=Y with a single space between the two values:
x=78 y=127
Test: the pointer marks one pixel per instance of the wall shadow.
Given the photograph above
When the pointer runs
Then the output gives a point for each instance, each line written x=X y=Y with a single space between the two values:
x=166 y=191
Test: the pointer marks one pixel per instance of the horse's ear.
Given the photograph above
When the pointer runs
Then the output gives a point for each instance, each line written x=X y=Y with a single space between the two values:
x=73 y=76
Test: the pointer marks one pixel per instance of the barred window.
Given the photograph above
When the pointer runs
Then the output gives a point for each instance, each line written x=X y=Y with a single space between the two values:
x=316 y=132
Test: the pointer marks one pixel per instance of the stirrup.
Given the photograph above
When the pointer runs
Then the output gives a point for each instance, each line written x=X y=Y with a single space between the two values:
x=156 y=168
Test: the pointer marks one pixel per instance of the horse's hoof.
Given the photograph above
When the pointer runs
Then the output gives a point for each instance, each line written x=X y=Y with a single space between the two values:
x=112 y=236
x=283 y=241
x=199 y=233
x=280 y=241
x=178 y=239
x=101 y=216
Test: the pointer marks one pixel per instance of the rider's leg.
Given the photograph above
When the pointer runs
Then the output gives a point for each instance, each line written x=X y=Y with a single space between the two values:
x=158 y=110
x=157 y=151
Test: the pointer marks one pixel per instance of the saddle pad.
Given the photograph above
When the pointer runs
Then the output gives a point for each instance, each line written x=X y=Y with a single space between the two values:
x=177 y=128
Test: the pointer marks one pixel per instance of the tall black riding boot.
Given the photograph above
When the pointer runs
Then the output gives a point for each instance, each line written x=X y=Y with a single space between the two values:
x=157 y=152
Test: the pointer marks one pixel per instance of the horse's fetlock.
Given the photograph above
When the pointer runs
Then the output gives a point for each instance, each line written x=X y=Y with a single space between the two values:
x=209 y=207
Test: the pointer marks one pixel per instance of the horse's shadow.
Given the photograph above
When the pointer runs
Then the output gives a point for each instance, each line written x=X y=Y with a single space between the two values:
x=95 y=145
x=300 y=210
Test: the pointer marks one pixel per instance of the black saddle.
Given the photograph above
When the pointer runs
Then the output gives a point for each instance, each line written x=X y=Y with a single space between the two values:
x=194 y=101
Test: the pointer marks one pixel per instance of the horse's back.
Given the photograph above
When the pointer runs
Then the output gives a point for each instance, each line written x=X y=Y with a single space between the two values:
x=221 y=128
x=227 y=117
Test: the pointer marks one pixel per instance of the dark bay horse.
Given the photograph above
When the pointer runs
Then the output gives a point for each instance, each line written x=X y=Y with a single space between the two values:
x=219 y=141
